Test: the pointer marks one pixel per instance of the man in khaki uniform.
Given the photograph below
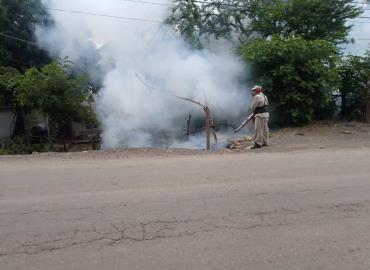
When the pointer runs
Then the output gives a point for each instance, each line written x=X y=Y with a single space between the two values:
x=259 y=107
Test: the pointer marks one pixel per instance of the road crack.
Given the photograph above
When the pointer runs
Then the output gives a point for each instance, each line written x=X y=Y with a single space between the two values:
x=113 y=231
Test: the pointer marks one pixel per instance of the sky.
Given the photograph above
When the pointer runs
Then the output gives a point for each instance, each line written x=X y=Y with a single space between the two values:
x=361 y=30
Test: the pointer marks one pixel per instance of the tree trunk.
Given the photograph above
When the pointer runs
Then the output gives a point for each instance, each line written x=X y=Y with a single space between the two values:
x=343 y=105
x=368 y=102
x=19 y=127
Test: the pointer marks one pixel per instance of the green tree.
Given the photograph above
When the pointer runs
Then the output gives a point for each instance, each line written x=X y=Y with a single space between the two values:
x=54 y=92
x=18 y=18
x=311 y=19
x=10 y=79
x=299 y=76
x=354 y=73
x=196 y=20
x=9 y=84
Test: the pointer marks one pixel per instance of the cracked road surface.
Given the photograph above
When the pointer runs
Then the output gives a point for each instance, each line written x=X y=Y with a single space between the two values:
x=297 y=210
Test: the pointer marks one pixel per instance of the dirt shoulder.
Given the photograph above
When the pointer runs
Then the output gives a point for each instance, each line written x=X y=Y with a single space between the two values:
x=320 y=135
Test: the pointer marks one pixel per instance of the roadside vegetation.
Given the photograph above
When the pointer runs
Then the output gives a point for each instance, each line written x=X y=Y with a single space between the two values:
x=293 y=49
x=35 y=85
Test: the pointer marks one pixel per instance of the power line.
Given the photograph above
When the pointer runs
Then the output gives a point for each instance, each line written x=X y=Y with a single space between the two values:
x=202 y=2
x=35 y=44
x=149 y=2
x=19 y=39
x=196 y=1
x=130 y=18
x=206 y=2
x=137 y=19
x=155 y=3
x=104 y=15
x=225 y=4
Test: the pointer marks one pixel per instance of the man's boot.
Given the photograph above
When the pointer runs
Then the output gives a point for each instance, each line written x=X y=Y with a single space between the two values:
x=256 y=146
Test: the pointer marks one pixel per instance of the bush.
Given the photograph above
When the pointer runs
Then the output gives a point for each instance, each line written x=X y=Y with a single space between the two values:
x=354 y=72
x=21 y=146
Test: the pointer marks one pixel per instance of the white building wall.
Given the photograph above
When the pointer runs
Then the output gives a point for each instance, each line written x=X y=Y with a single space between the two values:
x=6 y=124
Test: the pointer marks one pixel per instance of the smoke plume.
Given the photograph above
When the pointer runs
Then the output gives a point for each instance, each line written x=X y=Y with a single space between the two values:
x=144 y=66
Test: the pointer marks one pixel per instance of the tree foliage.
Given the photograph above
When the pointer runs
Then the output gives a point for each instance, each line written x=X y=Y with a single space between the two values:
x=354 y=73
x=21 y=145
x=196 y=20
x=299 y=75
x=18 y=52
x=29 y=81
x=311 y=19
x=18 y=18
x=51 y=90
x=9 y=85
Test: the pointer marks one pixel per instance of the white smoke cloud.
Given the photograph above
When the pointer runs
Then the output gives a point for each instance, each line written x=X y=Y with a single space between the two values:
x=146 y=65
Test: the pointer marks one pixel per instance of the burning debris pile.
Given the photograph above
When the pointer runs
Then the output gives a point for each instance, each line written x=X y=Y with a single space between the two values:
x=240 y=143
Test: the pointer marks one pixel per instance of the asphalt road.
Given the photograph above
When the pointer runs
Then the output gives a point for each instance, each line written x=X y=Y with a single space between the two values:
x=298 y=210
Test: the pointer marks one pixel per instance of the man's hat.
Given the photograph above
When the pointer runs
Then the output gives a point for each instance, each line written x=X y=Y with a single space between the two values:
x=256 y=88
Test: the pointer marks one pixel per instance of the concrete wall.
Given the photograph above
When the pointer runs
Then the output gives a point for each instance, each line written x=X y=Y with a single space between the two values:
x=6 y=124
